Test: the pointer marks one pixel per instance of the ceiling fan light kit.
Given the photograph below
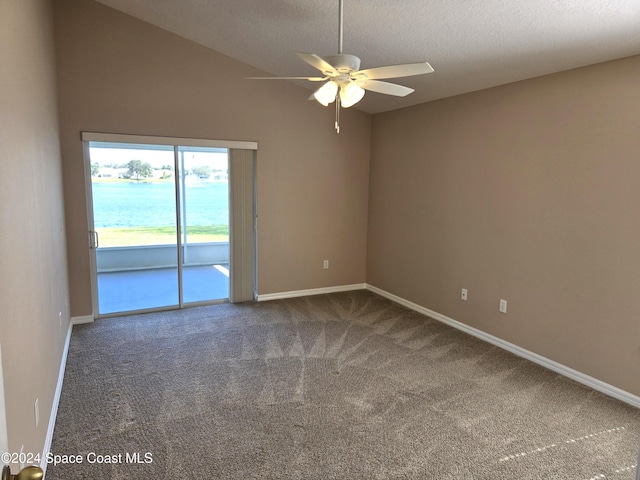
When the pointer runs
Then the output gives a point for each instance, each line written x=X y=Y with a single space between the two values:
x=348 y=93
x=346 y=83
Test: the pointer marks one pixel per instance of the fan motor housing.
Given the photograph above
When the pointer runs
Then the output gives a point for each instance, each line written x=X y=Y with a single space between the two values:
x=343 y=62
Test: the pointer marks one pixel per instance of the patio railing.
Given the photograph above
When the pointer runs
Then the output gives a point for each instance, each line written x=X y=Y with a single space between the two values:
x=141 y=257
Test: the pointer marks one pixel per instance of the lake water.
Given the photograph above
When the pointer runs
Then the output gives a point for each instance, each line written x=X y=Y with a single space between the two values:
x=136 y=204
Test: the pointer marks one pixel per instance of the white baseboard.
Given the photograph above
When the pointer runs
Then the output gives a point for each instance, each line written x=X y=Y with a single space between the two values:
x=313 y=291
x=56 y=400
x=579 y=377
x=82 y=319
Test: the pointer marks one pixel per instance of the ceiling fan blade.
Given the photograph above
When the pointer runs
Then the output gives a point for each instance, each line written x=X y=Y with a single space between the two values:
x=385 y=87
x=311 y=79
x=395 y=71
x=317 y=62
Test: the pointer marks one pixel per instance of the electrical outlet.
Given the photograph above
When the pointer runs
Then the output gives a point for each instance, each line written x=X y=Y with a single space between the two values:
x=325 y=264
x=503 y=306
x=463 y=295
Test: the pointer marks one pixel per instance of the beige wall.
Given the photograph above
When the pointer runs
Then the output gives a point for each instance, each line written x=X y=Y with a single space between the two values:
x=33 y=280
x=528 y=192
x=120 y=75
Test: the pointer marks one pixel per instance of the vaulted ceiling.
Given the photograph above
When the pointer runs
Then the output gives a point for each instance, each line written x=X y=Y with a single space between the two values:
x=471 y=44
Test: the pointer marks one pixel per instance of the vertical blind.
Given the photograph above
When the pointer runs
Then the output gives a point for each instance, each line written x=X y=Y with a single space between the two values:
x=242 y=216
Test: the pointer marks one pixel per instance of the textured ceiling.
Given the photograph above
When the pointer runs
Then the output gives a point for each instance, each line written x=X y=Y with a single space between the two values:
x=471 y=44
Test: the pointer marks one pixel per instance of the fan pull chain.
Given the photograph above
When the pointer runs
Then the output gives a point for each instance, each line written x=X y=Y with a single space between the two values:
x=338 y=114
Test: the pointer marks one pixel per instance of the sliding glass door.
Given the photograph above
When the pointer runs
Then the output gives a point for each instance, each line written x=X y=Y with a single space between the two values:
x=204 y=223
x=160 y=231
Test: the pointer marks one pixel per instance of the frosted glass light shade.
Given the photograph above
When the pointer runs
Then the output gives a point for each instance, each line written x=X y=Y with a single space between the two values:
x=326 y=94
x=351 y=94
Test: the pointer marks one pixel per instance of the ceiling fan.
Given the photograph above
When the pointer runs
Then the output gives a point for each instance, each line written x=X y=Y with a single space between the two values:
x=345 y=83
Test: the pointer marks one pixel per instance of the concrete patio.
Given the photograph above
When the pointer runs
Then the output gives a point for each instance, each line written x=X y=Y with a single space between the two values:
x=124 y=291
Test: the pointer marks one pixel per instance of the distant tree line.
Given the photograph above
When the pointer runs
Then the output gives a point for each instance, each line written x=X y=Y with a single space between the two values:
x=137 y=169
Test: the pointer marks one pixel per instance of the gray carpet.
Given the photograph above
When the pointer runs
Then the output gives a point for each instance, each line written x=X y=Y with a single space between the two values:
x=340 y=386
